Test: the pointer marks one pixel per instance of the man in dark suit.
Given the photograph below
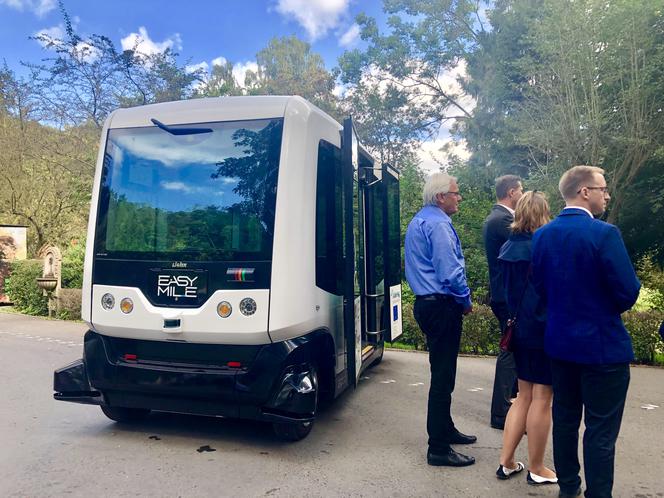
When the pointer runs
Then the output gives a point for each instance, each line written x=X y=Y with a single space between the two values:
x=496 y=231
x=582 y=270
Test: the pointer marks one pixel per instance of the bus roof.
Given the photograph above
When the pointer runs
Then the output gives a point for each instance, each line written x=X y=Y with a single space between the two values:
x=207 y=110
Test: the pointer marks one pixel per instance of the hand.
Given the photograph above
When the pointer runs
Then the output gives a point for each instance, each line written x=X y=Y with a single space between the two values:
x=468 y=310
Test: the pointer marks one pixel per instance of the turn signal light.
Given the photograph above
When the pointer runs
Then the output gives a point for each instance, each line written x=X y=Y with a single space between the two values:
x=224 y=309
x=126 y=305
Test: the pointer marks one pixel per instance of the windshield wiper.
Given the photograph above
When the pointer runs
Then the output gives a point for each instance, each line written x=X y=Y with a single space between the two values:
x=180 y=131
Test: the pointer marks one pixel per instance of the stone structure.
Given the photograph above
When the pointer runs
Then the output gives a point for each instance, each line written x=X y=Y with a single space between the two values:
x=50 y=281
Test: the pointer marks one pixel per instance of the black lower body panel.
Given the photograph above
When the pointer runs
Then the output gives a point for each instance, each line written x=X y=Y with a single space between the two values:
x=272 y=382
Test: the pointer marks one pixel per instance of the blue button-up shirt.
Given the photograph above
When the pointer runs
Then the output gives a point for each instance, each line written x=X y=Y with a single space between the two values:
x=434 y=260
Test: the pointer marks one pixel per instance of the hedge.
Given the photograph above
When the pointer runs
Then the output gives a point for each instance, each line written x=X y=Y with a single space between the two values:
x=481 y=331
x=21 y=287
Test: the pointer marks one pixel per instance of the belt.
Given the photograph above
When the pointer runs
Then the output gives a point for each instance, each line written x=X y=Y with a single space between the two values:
x=435 y=297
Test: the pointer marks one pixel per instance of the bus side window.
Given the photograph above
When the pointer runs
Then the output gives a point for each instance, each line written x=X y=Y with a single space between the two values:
x=329 y=219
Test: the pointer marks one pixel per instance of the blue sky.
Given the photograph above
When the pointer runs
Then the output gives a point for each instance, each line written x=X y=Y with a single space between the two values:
x=201 y=31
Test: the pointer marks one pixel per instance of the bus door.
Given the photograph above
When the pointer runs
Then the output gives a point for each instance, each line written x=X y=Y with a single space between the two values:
x=372 y=255
x=381 y=289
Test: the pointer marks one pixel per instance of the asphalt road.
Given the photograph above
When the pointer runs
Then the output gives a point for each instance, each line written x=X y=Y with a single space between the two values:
x=370 y=442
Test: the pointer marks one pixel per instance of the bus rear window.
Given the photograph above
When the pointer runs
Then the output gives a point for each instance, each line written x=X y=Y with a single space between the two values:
x=197 y=197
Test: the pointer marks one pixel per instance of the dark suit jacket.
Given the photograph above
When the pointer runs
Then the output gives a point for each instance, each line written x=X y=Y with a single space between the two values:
x=582 y=270
x=496 y=231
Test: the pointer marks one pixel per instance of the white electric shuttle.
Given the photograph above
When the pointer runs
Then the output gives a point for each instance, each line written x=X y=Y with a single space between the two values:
x=243 y=260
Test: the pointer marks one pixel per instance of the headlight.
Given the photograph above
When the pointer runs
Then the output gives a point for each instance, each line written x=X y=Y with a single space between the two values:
x=126 y=305
x=247 y=306
x=224 y=309
x=107 y=301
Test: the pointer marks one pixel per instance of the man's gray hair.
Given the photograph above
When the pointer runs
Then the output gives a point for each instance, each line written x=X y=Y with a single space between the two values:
x=438 y=183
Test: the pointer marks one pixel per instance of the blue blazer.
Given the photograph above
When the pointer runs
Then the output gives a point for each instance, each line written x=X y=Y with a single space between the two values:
x=522 y=299
x=582 y=270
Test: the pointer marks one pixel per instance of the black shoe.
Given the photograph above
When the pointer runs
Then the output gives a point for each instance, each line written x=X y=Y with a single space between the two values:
x=459 y=438
x=498 y=425
x=567 y=495
x=449 y=458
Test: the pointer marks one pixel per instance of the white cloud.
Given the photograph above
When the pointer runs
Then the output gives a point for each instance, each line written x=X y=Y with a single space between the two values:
x=52 y=34
x=240 y=71
x=204 y=66
x=142 y=43
x=339 y=90
x=219 y=61
x=350 y=36
x=435 y=154
x=317 y=17
x=37 y=7
x=178 y=186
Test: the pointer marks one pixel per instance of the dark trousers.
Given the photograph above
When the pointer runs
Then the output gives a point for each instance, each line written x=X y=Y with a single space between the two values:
x=601 y=390
x=440 y=319
x=504 y=382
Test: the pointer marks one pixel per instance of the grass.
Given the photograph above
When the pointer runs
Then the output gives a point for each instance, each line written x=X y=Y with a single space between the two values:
x=400 y=345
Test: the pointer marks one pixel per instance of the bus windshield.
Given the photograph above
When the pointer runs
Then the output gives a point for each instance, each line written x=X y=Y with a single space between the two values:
x=197 y=197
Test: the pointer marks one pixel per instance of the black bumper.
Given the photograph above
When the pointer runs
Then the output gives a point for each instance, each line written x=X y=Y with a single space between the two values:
x=272 y=382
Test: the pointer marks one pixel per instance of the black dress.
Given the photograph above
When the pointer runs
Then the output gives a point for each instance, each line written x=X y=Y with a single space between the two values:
x=532 y=363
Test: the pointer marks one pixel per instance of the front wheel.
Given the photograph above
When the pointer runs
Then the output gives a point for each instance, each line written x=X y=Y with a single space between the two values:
x=292 y=431
x=125 y=415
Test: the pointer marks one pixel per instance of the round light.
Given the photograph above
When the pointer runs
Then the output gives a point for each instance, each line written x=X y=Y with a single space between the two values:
x=126 y=305
x=247 y=306
x=107 y=301
x=224 y=309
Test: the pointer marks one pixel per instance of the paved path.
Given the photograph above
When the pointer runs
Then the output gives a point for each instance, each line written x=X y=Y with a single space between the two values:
x=371 y=442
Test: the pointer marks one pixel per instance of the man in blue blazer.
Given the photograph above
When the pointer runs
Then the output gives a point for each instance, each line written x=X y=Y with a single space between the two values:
x=582 y=270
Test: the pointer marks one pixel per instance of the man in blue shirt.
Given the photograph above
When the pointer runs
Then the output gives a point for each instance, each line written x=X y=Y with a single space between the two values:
x=436 y=272
x=582 y=270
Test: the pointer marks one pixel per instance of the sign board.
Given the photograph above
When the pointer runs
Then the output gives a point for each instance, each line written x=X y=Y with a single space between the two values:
x=13 y=246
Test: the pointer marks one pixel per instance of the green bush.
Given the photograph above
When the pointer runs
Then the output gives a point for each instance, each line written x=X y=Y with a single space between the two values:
x=481 y=332
x=72 y=266
x=643 y=327
x=21 y=287
x=412 y=334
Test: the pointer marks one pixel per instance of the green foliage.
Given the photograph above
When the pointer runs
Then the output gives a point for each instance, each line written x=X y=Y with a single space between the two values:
x=476 y=205
x=643 y=327
x=481 y=332
x=652 y=278
x=21 y=287
x=72 y=266
x=412 y=335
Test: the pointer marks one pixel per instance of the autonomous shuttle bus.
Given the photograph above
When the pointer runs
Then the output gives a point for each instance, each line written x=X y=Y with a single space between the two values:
x=243 y=260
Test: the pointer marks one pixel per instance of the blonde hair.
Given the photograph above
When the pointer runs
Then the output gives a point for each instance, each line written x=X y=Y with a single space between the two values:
x=532 y=211
x=437 y=183
x=575 y=178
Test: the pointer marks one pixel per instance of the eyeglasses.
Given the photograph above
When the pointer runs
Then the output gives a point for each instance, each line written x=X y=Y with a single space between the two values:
x=455 y=193
x=604 y=190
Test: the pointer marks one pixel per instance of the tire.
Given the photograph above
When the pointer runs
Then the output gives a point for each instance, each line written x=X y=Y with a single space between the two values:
x=379 y=359
x=125 y=415
x=296 y=431
x=292 y=431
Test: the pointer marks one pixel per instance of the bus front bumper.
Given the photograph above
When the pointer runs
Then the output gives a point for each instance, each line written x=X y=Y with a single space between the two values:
x=274 y=385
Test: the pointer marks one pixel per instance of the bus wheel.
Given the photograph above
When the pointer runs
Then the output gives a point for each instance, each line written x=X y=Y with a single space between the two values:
x=292 y=431
x=125 y=415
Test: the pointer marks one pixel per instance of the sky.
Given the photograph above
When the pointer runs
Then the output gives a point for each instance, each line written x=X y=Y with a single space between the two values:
x=201 y=31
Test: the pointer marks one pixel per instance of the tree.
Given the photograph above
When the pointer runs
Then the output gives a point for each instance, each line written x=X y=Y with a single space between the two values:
x=87 y=78
x=407 y=67
x=287 y=66
x=583 y=85
x=220 y=82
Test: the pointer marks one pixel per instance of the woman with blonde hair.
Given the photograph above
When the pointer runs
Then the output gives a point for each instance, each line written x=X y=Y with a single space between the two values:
x=531 y=411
